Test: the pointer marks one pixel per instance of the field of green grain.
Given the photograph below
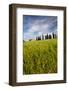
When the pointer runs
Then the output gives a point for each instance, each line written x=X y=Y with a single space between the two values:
x=40 y=56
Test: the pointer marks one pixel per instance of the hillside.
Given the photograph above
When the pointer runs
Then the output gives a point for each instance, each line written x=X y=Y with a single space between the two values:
x=40 y=57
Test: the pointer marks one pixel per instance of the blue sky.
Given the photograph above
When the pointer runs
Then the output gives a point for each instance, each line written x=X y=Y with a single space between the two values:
x=37 y=25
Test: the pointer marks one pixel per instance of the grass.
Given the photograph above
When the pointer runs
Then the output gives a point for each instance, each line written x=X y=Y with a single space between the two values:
x=40 y=57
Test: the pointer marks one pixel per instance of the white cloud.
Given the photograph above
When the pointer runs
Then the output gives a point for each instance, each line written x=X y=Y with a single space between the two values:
x=39 y=27
x=28 y=36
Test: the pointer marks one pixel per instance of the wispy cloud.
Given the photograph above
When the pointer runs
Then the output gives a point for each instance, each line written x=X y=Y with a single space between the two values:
x=37 y=25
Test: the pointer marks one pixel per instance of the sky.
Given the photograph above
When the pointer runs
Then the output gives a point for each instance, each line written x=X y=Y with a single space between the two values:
x=37 y=25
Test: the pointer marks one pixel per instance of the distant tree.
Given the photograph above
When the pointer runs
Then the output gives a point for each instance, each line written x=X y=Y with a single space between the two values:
x=36 y=38
x=53 y=35
x=49 y=36
x=39 y=38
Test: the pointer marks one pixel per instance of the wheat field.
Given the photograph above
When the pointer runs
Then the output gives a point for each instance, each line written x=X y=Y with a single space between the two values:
x=40 y=57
